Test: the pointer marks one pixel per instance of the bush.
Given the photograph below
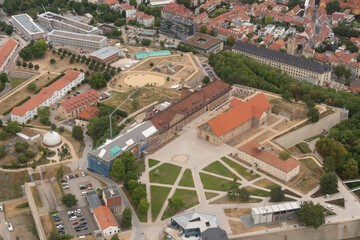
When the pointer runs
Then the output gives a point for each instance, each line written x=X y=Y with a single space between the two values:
x=30 y=154
x=52 y=61
x=61 y=129
x=22 y=159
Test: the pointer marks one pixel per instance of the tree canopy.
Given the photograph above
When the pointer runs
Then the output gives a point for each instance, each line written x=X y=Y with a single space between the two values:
x=277 y=195
x=78 y=133
x=69 y=200
x=33 y=50
x=311 y=215
x=329 y=183
x=97 y=81
x=126 y=220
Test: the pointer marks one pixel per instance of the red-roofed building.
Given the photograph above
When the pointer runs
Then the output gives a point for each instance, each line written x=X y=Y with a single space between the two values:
x=129 y=10
x=7 y=52
x=106 y=221
x=266 y=160
x=279 y=44
x=144 y=18
x=178 y=10
x=241 y=117
x=85 y=115
x=47 y=96
x=72 y=107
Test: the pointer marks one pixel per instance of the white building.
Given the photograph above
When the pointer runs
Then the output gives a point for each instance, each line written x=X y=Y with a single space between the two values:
x=274 y=213
x=269 y=28
x=54 y=21
x=47 y=96
x=129 y=10
x=278 y=31
x=87 y=41
x=144 y=18
x=7 y=51
x=24 y=24
x=106 y=221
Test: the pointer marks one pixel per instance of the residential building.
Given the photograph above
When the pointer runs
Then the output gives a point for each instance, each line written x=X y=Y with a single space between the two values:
x=106 y=221
x=47 y=96
x=140 y=138
x=87 y=41
x=204 y=43
x=24 y=24
x=267 y=161
x=144 y=18
x=70 y=108
x=7 y=51
x=55 y=21
x=242 y=116
x=85 y=115
x=106 y=54
x=129 y=10
x=191 y=106
x=274 y=213
x=160 y=3
x=208 y=6
x=296 y=67
x=112 y=198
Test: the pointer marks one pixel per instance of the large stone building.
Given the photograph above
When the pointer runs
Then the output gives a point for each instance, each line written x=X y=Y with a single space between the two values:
x=266 y=160
x=191 y=106
x=242 y=116
x=87 y=41
x=204 y=43
x=24 y=24
x=72 y=107
x=297 y=67
x=47 y=96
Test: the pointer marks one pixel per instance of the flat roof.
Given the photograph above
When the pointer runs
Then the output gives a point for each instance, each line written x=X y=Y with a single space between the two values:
x=79 y=36
x=281 y=57
x=111 y=191
x=105 y=52
x=28 y=23
x=203 y=41
x=276 y=208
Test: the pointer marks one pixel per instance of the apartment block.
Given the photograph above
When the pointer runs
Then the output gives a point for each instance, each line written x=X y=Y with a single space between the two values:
x=25 y=24
x=87 y=41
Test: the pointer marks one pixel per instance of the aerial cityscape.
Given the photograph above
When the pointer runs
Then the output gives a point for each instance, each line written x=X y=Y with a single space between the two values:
x=179 y=119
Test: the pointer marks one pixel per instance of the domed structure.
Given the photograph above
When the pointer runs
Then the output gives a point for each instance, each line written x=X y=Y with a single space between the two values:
x=51 y=139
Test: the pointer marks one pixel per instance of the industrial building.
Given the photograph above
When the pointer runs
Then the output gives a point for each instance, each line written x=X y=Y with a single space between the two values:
x=54 y=21
x=142 y=137
x=106 y=54
x=297 y=67
x=274 y=213
x=204 y=43
x=24 y=24
x=87 y=41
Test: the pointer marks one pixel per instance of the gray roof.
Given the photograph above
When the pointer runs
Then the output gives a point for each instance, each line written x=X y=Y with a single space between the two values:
x=113 y=148
x=196 y=220
x=310 y=80
x=106 y=52
x=93 y=198
x=110 y=192
x=281 y=57
x=214 y=234
x=28 y=23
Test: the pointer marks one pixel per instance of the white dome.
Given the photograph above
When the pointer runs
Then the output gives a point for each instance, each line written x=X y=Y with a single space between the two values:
x=51 y=139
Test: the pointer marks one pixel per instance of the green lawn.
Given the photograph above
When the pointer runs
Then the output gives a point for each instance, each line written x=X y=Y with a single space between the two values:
x=209 y=195
x=153 y=162
x=258 y=192
x=16 y=81
x=158 y=197
x=189 y=198
x=187 y=179
x=303 y=147
x=214 y=183
x=240 y=169
x=218 y=168
x=166 y=173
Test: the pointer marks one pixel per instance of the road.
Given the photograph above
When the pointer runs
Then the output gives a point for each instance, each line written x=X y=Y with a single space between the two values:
x=4 y=230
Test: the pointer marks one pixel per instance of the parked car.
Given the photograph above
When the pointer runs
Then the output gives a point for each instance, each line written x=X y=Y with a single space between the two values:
x=82 y=174
x=82 y=187
x=63 y=181
x=76 y=175
x=74 y=223
x=330 y=207
x=81 y=219
x=1 y=208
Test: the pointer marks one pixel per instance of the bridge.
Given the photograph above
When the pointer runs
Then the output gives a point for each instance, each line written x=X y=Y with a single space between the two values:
x=353 y=181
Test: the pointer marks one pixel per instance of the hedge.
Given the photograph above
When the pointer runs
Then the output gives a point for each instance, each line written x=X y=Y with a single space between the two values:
x=20 y=103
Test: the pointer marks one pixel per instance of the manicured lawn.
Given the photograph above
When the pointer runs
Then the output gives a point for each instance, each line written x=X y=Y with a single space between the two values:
x=215 y=183
x=158 y=197
x=166 y=173
x=218 y=168
x=153 y=162
x=209 y=195
x=189 y=198
x=16 y=82
x=304 y=147
x=258 y=192
x=187 y=179
x=240 y=169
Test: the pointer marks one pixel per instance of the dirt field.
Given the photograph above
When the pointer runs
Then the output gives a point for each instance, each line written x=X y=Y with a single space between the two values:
x=238 y=227
x=57 y=191
x=52 y=172
x=140 y=80
x=286 y=125
x=24 y=227
x=265 y=183
x=293 y=111
x=10 y=184
x=236 y=212
x=12 y=210
x=36 y=197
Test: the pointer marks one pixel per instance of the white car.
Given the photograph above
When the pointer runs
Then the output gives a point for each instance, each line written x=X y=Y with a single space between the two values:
x=82 y=174
x=1 y=208
x=10 y=227
x=330 y=207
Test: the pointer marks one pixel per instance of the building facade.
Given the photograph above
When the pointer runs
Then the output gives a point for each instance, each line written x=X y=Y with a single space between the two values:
x=112 y=198
x=106 y=221
x=264 y=159
x=85 y=115
x=297 y=67
x=144 y=18
x=129 y=10
x=24 y=24
x=87 y=41
x=204 y=43
x=47 y=96
x=7 y=51
x=106 y=54
x=72 y=107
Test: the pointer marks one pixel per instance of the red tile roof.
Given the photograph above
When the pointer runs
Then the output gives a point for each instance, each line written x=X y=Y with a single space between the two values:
x=178 y=10
x=143 y=15
x=110 y=2
x=240 y=113
x=88 y=113
x=105 y=217
x=125 y=6
x=6 y=49
x=81 y=100
x=252 y=148
x=46 y=93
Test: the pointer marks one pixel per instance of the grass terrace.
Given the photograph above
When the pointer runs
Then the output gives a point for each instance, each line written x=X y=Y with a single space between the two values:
x=166 y=173
x=189 y=198
x=219 y=169
x=153 y=162
x=158 y=197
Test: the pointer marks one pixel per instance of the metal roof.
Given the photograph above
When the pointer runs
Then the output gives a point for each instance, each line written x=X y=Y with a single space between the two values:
x=106 y=52
x=281 y=57
x=28 y=23
x=196 y=220
x=275 y=208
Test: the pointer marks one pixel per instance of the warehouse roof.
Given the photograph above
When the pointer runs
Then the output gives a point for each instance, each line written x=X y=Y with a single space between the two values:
x=28 y=23
x=106 y=52
x=281 y=57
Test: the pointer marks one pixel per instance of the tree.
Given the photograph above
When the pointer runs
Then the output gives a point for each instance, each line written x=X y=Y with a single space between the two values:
x=118 y=169
x=30 y=65
x=13 y=127
x=276 y=194
x=212 y=32
x=36 y=67
x=97 y=81
x=329 y=164
x=53 y=127
x=230 y=41
x=244 y=194
x=268 y=20
x=203 y=29
x=233 y=190
x=31 y=87
x=9 y=29
x=22 y=159
x=77 y=133
x=145 y=42
x=3 y=136
x=138 y=193
x=284 y=155
x=24 y=64
x=3 y=151
x=52 y=61
x=332 y=7
x=206 y=80
x=126 y=219
x=176 y=203
x=143 y=205
x=339 y=70
x=347 y=73
x=351 y=169
x=133 y=3
x=115 y=237
x=69 y=200
x=44 y=114
x=313 y=114
x=329 y=183
x=311 y=215
x=18 y=63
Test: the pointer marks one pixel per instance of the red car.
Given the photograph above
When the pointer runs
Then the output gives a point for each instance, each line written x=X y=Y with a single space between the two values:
x=74 y=223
